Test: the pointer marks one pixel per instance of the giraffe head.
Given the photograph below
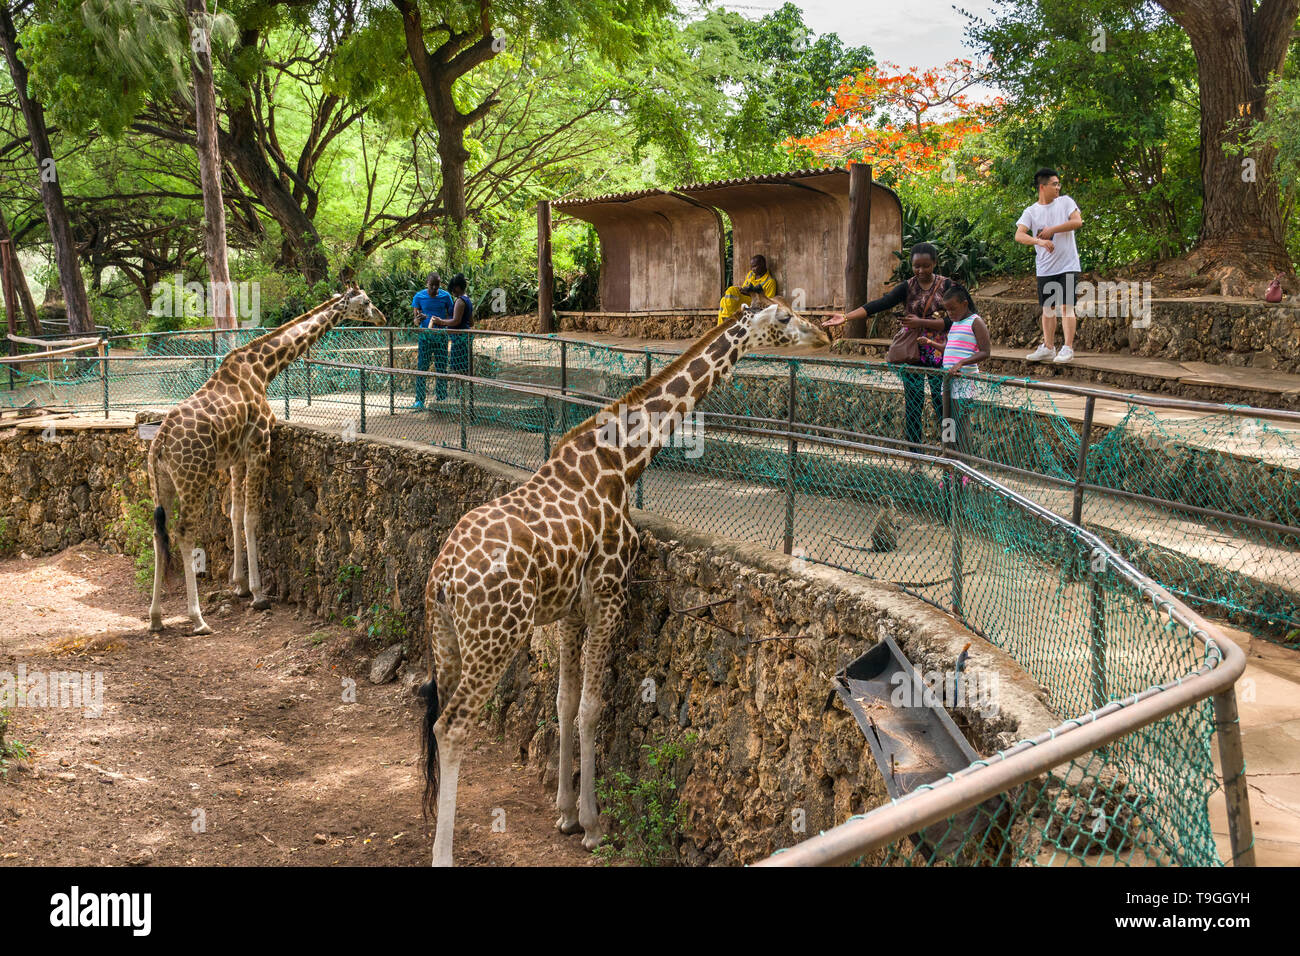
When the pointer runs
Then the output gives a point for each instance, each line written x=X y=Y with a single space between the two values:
x=356 y=305
x=775 y=324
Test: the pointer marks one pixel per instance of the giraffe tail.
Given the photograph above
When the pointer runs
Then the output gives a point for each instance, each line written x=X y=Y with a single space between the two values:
x=429 y=747
x=160 y=541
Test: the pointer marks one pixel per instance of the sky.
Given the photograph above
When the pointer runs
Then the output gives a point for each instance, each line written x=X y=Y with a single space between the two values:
x=907 y=32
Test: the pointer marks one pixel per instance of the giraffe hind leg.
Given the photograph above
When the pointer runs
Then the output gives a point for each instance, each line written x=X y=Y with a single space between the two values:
x=161 y=562
x=566 y=708
x=255 y=475
x=238 y=570
x=479 y=677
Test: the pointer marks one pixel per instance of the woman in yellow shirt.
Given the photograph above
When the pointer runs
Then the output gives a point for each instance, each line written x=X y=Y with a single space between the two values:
x=756 y=280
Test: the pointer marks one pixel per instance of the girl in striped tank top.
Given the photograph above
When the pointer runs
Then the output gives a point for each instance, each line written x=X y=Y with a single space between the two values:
x=967 y=344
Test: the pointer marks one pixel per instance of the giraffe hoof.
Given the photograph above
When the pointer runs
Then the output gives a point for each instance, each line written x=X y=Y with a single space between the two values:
x=262 y=604
x=156 y=626
x=242 y=590
x=592 y=840
x=567 y=825
x=203 y=628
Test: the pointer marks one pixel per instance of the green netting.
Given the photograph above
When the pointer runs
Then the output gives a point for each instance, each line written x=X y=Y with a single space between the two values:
x=1031 y=587
x=1203 y=478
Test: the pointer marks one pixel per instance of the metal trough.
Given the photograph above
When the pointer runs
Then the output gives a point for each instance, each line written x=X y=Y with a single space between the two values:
x=912 y=738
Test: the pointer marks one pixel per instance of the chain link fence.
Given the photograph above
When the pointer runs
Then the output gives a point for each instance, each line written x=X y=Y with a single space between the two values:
x=853 y=465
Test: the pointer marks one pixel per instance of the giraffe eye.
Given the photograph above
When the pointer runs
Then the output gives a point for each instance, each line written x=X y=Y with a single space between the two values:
x=785 y=318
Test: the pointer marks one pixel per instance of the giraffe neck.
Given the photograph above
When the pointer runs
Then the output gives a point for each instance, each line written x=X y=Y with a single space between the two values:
x=273 y=354
x=635 y=428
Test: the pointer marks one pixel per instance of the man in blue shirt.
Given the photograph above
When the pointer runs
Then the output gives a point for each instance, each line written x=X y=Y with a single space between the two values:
x=431 y=310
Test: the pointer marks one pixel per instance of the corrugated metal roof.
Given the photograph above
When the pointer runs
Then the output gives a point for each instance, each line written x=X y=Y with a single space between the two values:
x=693 y=187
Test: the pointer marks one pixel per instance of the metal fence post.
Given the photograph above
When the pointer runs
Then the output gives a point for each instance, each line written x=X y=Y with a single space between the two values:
x=392 y=378
x=546 y=428
x=103 y=369
x=1233 y=761
x=1097 y=639
x=307 y=366
x=1081 y=468
x=944 y=430
x=954 y=528
x=791 y=457
x=564 y=385
x=464 y=408
x=469 y=369
x=285 y=385
x=640 y=491
x=363 y=401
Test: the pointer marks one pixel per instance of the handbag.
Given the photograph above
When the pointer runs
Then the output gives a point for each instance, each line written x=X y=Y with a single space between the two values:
x=1274 y=291
x=905 y=349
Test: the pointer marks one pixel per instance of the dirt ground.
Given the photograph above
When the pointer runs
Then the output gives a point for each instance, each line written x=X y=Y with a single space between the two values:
x=235 y=748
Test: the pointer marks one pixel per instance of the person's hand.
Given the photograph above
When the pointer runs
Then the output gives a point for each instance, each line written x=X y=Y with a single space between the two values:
x=836 y=319
x=912 y=321
x=926 y=340
x=1047 y=244
x=1046 y=232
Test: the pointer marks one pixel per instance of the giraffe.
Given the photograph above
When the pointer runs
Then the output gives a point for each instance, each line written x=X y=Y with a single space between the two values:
x=559 y=549
x=226 y=424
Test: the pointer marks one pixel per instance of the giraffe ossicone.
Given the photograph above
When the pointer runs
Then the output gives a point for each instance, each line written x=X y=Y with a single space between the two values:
x=226 y=426
x=559 y=549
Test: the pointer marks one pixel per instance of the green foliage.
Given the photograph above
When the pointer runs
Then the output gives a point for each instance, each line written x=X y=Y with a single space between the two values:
x=1280 y=131
x=386 y=623
x=717 y=97
x=10 y=749
x=646 y=812
x=963 y=255
x=135 y=527
x=1115 y=112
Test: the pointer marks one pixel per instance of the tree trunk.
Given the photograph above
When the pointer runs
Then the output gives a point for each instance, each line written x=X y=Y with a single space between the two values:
x=438 y=72
x=241 y=149
x=56 y=215
x=24 y=292
x=1236 y=51
x=214 y=210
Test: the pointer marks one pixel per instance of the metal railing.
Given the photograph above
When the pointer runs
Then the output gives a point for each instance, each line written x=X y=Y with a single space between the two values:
x=1107 y=605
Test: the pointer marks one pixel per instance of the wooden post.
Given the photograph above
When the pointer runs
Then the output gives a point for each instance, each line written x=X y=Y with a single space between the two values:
x=20 y=281
x=545 y=270
x=11 y=301
x=857 y=246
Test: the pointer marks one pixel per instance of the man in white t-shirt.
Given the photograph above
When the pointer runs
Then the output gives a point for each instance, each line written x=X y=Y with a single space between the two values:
x=1049 y=225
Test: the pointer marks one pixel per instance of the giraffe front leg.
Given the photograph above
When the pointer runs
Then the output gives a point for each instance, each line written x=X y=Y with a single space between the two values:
x=238 y=572
x=253 y=481
x=606 y=616
x=566 y=708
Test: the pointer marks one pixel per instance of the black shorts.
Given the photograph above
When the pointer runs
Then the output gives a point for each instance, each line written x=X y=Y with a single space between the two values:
x=1058 y=290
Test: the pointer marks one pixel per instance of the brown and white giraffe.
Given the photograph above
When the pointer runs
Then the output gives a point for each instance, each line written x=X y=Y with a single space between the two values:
x=559 y=548
x=226 y=424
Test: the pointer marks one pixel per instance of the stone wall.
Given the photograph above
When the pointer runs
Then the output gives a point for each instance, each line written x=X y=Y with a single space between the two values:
x=1210 y=329
x=746 y=694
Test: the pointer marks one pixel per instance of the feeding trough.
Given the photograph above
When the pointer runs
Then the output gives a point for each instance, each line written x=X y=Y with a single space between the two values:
x=912 y=738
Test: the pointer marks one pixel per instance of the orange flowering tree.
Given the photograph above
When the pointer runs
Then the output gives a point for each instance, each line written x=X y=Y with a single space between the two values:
x=900 y=121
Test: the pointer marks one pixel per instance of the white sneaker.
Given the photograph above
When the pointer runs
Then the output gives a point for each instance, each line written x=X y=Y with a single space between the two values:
x=1064 y=355
x=1042 y=353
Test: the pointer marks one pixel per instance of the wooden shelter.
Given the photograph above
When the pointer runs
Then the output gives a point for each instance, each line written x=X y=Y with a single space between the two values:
x=828 y=234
